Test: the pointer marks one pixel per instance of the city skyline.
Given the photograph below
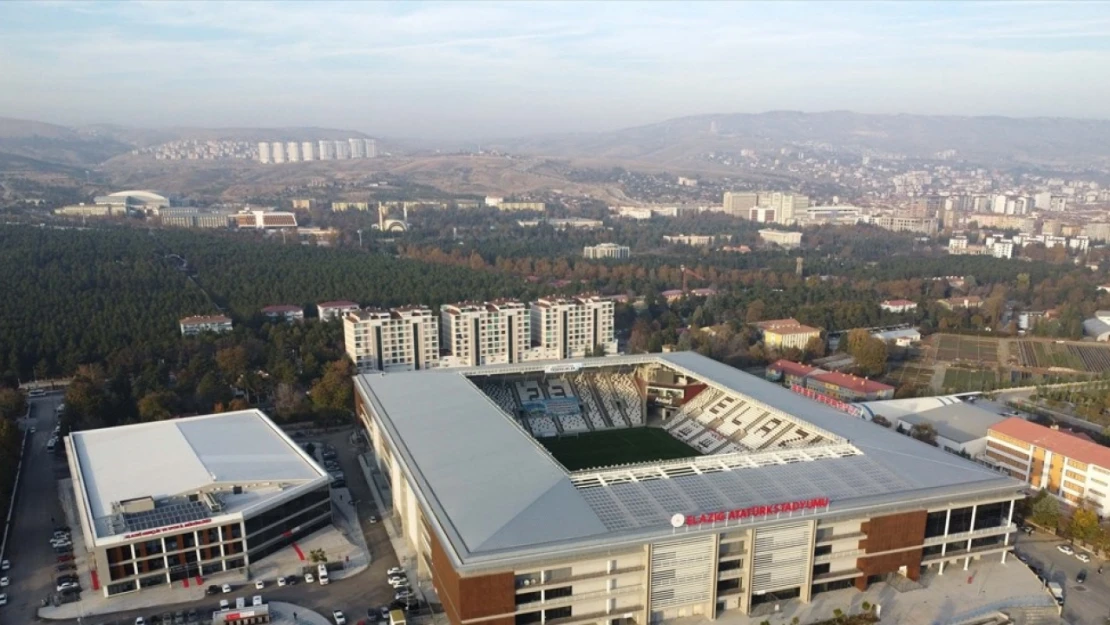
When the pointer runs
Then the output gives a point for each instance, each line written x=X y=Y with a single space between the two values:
x=498 y=69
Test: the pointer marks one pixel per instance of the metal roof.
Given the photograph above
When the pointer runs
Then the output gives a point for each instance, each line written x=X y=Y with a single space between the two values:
x=496 y=493
x=958 y=421
x=166 y=459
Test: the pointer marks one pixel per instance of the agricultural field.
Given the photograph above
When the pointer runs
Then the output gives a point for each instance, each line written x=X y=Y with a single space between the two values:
x=958 y=380
x=910 y=373
x=957 y=348
x=1042 y=355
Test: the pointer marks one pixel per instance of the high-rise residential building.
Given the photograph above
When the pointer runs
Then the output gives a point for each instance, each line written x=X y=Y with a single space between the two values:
x=371 y=147
x=327 y=150
x=572 y=327
x=473 y=334
x=400 y=339
x=264 y=152
x=308 y=151
x=342 y=150
x=900 y=223
x=737 y=203
x=293 y=152
x=277 y=150
x=606 y=250
x=357 y=148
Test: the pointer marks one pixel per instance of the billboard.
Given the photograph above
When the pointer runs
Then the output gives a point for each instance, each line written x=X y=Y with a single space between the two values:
x=556 y=406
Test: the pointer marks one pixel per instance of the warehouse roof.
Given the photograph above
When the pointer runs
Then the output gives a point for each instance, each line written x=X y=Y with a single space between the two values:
x=168 y=460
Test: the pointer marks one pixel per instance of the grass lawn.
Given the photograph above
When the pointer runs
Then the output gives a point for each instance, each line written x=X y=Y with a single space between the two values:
x=611 y=447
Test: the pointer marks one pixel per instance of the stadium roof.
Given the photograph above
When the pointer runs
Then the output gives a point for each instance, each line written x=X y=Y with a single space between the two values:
x=495 y=493
x=170 y=459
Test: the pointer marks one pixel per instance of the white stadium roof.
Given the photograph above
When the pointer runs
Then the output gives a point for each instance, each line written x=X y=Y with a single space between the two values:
x=171 y=459
x=496 y=493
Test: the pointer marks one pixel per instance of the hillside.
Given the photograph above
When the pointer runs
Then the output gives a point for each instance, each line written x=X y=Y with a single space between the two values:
x=1040 y=140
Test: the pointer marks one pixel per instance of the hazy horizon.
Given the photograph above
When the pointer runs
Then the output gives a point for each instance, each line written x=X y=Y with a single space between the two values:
x=469 y=70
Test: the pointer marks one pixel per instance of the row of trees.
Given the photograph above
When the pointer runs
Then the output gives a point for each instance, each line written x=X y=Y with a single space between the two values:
x=1081 y=525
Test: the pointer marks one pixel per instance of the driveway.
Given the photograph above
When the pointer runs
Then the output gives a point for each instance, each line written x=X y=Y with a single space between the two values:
x=1087 y=603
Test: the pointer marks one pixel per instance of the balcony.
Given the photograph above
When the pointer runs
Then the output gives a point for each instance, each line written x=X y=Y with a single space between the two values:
x=725 y=555
x=582 y=596
x=536 y=584
x=986 y=531
x=595 y=616
x=730 y=574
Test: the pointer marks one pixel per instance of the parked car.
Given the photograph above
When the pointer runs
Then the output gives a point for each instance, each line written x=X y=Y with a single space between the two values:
x=38 y=392
x=292 y=580
x=5 y=565
x=281 y=581
x=1081 y=577
x=224 y=605
x=1028 y=529
x=69 y=566
x=256 y=600
x=1082 y=557
x=373 y=520
x=384 y=611
x=308 y=578
x=65 y=558
x=1065 y=549
x=3 y=599
x=402 y=595
x=398 y=580
x=339 y=618
x=139 y=621
x=64 y=586
x=4 y=581
x=259 y=585
x=212 y=590
x=395 y=571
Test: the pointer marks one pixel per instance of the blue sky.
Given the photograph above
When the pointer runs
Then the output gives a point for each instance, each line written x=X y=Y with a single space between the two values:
x=462 y=70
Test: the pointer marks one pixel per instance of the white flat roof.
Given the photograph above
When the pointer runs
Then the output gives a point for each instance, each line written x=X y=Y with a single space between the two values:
x=166 y=459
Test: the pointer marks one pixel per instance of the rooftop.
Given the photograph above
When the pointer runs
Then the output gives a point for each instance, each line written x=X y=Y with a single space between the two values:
x=1056 y=441
x=337 y=304
x=953 y=419
x=854 y=382
x=790 y=367
x=899 y=302
x=199 y=319
x=495 y=494
x=169 y=460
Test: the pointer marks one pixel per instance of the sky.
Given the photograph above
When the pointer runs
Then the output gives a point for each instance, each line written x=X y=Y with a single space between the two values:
x=458 y=70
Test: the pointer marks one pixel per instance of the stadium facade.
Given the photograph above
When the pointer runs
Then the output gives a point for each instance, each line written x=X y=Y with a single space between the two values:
x=777 y=497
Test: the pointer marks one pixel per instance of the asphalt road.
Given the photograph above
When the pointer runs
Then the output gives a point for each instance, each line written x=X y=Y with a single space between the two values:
x=33 y=561
x=1084 y=604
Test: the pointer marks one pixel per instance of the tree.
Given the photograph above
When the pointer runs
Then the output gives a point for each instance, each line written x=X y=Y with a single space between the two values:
x=924 y=432
x=335 y=391
x=13 y=403
x=318 y=556
x=815 y=347
x=755 y=311
x=1046 y=511
x=1084 y=525
x=157 y=406
x=871 y=357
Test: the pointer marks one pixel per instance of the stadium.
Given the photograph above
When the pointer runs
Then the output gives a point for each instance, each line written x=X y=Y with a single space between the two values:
x=632 y=489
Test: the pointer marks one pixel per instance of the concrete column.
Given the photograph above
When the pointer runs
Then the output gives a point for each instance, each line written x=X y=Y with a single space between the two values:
x=1006 y=536
x=971 y=527
x=806 y=591
x=944 y=544
x=745 y=603
x=712 y=608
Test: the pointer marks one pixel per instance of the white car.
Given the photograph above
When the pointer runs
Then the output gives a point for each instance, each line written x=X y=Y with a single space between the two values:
x=5 y=565
x=395 y=571
x=139 y=621
x=4 y=581
x=398 y=581
x=1082 y=557
x=259 y=585
x=281 y=581
x=3 y=599
x=224 y=605
x=309 y=578
x=1065 y=549
x=373 y=520
x=226 y=588
x=339 y=618
x=64 y=586
x=256 y=600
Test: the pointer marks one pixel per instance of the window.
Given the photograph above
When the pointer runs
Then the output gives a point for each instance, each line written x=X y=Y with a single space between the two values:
x=961 y=521
x=934 y=523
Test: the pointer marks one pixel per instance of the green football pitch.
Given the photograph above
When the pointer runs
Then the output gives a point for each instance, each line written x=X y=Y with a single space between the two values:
x=612 y=447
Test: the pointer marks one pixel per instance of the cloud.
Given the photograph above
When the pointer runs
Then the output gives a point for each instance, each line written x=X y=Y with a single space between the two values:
x=456 y=68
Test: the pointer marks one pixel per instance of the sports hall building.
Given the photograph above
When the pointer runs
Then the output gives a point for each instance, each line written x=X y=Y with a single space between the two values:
x=171 y=502
x=631 y=489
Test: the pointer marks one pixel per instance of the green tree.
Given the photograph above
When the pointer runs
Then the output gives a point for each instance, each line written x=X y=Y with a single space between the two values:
x=1084 y=525
x=335 y=391
x=157 y=406
x=13 y=403
x=1046 y=511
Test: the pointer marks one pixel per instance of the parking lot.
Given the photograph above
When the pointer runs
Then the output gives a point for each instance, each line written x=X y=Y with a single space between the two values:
x=1086 y=603
x=33 y=560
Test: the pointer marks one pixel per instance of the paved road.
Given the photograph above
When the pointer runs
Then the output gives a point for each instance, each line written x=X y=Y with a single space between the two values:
x=1084 y=604
x=33 y=560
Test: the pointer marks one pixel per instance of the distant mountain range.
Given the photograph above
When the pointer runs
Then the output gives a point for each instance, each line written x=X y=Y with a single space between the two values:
x=87 y=146
x=1039 y=140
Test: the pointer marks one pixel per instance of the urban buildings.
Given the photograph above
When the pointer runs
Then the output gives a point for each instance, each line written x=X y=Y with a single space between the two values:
x=842 y=387
x=118 y=204
x=695 y=240
x=782 y=334
x=606 y=250
x=171 y=501
x=323 y=150
x=400 y=339
x=194 y=218
x=781 y=238
x=919 y=225
x=964 y=301
x=191 y=326
x=521 y=206
x=902 y=338
x=960 y=427
x=780 y=497
x=1098 y=327
x=766 y=207
x=573 y=327
x=284 y=312
x=898 y=305
x=335 y=310
x=264 y=219
x=473 y=334
x=1071 y=468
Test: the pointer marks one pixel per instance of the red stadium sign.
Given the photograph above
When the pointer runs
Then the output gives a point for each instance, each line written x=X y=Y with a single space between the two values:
x=757 y=511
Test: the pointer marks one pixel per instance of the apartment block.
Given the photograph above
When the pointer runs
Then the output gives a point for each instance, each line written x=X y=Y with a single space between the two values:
x=782 y=238
x=485 y=333
x=919 y=225
x=1068 y=466
x=606 y=250
x=786 y=333
x=400 y=339
x=191 y=326
x=571 y=327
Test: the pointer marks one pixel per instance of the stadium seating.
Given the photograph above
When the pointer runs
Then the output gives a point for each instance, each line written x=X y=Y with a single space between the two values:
x=608 y=398
x=697 y=404
x=589 y=404
x=708 y=442
x=688 y=431
x=559 y=388
x=573 y=423
x=502 y=396
x=793 y=439
x=626 y=389
x=543 y=427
